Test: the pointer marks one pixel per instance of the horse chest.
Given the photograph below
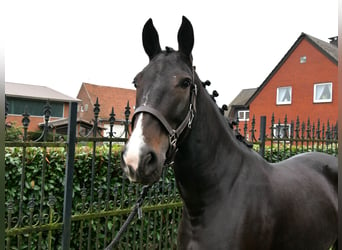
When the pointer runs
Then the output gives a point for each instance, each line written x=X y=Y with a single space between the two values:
x=226 y=227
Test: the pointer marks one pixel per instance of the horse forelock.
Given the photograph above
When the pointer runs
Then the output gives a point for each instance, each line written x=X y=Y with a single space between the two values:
x=169 y=50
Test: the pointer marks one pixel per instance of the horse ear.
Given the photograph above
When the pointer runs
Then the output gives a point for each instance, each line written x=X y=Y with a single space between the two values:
x=150 y=39
x=186 y=37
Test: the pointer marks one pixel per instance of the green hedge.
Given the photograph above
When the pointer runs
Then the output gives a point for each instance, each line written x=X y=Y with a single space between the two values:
x=122 y=194
x=55 y=159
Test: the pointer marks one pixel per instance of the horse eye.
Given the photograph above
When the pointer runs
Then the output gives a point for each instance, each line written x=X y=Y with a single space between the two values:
x=186 y=83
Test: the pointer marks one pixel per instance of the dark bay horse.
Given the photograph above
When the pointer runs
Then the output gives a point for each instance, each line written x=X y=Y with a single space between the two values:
x=233 y=198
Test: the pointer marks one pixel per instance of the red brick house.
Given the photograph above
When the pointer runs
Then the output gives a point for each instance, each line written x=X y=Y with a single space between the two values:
x=108 y=98
x=303 y=84
x=33 y=98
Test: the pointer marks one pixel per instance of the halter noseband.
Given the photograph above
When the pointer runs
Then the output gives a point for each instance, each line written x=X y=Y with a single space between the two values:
x=173 y=133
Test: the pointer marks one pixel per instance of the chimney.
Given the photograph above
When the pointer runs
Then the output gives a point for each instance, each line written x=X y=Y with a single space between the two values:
x=334 y=40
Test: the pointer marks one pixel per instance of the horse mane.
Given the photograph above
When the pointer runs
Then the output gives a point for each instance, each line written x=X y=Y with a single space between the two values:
x=238 y=135
x=231 y=123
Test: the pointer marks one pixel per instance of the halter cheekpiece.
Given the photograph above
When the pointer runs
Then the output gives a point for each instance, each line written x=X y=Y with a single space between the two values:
x=173 y=133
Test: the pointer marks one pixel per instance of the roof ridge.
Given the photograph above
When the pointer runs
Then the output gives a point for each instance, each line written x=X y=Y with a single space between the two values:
x=106 y=86
x=315 y=38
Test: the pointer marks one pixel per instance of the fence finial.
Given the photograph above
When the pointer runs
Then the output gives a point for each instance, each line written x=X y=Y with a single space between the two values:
x=111 y=122
x=47 y=111
x=127 y=111
x=26 y=122
x=127 y=114
x=96 y=108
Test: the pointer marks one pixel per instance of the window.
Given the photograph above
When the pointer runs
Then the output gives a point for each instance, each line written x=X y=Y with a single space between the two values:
x=303 y=59
x=243 y=115
x=323 y=92
x=281 y=131
x=284 y=95
x=17 y=106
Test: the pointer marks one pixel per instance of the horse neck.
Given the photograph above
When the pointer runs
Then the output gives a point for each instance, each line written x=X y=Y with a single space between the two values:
x=210 y=133
x=209 y=154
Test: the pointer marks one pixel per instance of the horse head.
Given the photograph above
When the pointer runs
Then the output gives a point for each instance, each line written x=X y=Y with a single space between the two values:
x=165 y=104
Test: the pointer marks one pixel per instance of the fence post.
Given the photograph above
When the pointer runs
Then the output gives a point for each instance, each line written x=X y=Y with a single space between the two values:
x=262 y=135
x=69 y=171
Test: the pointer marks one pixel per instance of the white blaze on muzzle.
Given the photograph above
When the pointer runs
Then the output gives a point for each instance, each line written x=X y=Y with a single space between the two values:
x=135 y=145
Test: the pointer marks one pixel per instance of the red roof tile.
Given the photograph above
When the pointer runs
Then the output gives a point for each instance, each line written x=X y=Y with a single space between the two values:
x=109 y=97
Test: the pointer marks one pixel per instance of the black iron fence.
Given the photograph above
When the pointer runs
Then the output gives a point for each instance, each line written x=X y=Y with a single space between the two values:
x=278 y=140
x=73 y=193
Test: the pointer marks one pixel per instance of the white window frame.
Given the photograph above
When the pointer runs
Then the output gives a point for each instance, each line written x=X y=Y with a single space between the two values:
x=282 y=128
x=244 y=115
x=278 y=95
x=315 y=100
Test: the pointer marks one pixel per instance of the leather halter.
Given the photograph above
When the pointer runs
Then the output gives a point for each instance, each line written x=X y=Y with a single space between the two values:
x=173 y=133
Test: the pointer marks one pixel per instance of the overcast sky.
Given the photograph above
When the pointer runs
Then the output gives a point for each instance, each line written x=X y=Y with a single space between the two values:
x=237 y=43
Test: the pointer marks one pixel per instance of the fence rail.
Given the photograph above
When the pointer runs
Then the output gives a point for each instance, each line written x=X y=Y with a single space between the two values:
x=56 y=202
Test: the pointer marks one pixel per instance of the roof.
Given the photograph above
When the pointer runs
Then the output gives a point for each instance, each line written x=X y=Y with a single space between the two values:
x=329 y=50
x=35 y=92
x=109 y=97
x=65 y=121
x=240 y=101
x=242 y=98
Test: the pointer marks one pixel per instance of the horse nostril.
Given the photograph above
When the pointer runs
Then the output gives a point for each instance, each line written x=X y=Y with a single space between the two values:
x=150 y=158
x=150 y=162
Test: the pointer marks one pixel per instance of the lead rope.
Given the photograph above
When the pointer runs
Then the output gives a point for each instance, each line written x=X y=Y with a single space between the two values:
x=136 y=209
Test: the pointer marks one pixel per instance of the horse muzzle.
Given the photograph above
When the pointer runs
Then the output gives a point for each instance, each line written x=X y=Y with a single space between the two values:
x=144 y=167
